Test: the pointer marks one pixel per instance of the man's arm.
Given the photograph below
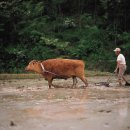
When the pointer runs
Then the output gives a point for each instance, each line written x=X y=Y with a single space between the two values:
x=117 y=66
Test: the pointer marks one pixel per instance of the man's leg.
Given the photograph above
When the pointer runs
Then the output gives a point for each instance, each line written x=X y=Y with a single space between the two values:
x=121 y=76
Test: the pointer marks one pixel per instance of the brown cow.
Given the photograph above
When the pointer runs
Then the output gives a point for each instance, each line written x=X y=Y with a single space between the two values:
x=59 y=68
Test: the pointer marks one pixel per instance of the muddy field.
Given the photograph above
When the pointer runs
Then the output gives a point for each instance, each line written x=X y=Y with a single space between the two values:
x=28 y=104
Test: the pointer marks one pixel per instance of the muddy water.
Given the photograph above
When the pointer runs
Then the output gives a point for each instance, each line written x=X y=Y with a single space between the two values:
x=29 y=104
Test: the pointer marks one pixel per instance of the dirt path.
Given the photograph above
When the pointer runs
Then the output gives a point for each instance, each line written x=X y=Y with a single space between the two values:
x=29 y=104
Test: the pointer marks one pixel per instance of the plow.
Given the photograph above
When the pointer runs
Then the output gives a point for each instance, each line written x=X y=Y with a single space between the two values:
x=108 y=81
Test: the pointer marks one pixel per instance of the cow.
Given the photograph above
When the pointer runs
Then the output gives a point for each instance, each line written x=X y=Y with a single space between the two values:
x=59 y=68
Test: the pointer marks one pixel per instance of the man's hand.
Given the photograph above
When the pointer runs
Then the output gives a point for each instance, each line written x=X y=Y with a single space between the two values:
x=115 y=71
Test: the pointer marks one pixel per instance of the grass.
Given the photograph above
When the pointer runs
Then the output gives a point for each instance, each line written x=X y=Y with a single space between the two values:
x=97 y=73
x=34 y=76
x=19 y=76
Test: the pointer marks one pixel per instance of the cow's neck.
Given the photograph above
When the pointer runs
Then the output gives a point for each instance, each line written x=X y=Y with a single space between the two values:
x=44 y=70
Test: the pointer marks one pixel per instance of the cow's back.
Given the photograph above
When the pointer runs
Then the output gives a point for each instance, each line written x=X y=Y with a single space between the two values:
x=64 y=67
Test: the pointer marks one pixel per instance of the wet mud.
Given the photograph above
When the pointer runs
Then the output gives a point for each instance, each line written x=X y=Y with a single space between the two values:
x=29 y=104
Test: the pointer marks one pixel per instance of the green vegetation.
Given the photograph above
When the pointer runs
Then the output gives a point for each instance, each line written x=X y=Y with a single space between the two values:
x=77 y=29
x=19 y=76
x=38 y=76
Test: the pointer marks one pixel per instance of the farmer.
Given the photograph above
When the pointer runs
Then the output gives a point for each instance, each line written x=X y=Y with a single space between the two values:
x=121 y=66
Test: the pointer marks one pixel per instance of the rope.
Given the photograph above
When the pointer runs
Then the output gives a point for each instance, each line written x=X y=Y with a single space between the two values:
x=44 y=70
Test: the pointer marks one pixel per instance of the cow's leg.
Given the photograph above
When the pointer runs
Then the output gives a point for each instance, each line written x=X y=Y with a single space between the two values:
x=74 y=81
x=50 y=82
x=83 y=78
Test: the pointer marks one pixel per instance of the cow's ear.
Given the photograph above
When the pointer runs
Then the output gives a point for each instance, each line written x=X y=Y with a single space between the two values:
x=34 y=61
x=39 y=61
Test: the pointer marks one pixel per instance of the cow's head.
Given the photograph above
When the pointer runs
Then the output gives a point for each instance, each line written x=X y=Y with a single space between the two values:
x=34 y=65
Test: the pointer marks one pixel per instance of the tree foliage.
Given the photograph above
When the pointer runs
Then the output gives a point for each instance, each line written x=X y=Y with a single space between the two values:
x=78 y=29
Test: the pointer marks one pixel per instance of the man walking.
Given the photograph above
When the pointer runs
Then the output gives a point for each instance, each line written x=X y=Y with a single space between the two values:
x=121 y=66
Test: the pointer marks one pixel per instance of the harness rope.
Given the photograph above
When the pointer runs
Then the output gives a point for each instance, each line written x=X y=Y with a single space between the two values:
x=44 y=70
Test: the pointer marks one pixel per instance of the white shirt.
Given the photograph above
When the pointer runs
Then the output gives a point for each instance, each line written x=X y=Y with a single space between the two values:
x=121 y=59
